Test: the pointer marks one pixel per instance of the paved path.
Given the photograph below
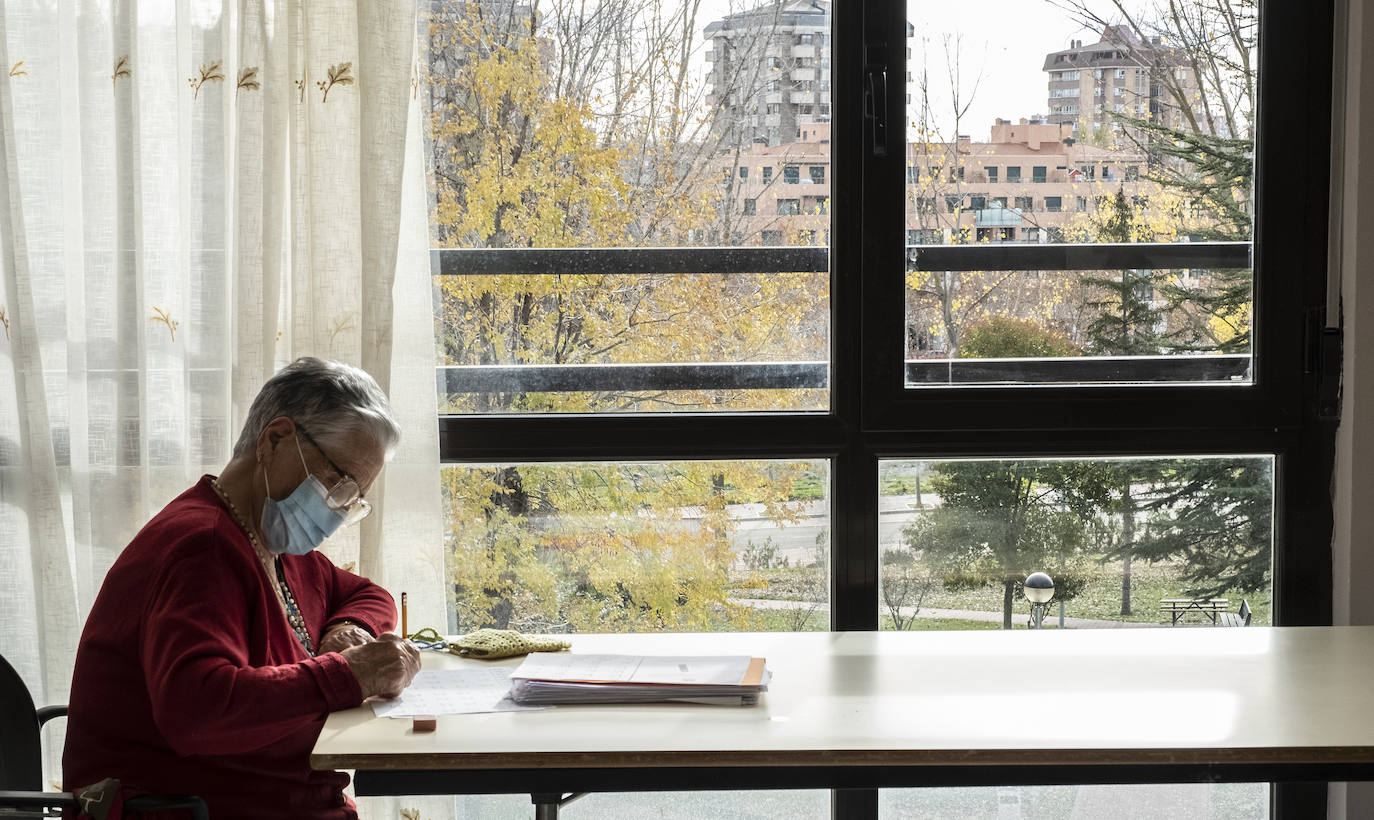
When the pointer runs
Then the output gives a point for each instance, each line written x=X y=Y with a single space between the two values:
x=1019 y=617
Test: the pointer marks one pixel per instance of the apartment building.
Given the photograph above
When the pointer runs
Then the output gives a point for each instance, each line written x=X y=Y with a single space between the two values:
x=779 y=194
x=769 y=71
x=1031 y=182
x=1120 y=74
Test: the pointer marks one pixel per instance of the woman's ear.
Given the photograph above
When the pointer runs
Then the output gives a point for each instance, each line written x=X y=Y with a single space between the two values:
x=276 y=430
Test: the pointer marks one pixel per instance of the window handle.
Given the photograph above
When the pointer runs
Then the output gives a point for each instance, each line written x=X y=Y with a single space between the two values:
x=875 y=99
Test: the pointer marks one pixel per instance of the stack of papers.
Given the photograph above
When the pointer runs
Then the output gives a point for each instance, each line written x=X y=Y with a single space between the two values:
x=560 y=677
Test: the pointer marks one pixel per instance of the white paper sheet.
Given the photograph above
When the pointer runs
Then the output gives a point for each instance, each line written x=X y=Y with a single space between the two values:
x=452 y=692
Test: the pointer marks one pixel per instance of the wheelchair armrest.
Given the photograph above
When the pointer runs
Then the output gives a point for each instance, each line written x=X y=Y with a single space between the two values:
x=47 y=713
x=10 y=799
x=66 y=800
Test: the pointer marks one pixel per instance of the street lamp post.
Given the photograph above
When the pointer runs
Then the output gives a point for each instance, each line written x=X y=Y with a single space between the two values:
x=1039 y=590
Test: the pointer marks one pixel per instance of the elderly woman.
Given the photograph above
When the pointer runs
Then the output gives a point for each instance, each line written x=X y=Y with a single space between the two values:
x=221 y=638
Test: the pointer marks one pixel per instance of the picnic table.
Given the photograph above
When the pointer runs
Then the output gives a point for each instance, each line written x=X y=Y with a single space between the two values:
x=1209 y=607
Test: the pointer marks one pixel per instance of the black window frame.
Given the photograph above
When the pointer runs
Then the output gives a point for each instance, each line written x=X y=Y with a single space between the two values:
x=1285 y=412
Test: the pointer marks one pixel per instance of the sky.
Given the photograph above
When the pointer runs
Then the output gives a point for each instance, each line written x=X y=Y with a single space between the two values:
x=1001 y=45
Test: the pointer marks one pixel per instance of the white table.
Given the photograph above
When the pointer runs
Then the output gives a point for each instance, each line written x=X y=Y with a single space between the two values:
x=874 y=709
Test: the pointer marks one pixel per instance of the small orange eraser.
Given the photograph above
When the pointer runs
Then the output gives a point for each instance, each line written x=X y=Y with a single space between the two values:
x=424 y=723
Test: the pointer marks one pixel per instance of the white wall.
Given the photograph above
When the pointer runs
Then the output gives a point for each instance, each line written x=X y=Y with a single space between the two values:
x=1353 y=491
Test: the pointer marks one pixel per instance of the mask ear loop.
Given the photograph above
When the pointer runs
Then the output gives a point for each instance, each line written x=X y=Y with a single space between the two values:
x=297 y=439
x=265 y=483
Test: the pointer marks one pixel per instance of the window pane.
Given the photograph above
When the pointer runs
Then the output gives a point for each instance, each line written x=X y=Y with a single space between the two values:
x=733 y=805
x=1141 y=542
x=703 y=127
x=634 y=343
x=1196 y=801
x=1135 y=133
x=688 y=546
x=1127 y=542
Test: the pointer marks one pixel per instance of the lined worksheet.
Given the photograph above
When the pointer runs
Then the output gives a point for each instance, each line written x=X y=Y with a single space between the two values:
x=452 y=692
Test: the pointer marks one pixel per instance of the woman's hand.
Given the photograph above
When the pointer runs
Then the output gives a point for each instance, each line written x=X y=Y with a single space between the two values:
x=341 y=636
x=384 y=666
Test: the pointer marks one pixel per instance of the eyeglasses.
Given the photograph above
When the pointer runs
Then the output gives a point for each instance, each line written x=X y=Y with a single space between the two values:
x=345 y=496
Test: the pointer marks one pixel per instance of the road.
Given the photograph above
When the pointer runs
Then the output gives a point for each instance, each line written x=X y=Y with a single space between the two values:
x=797 y=542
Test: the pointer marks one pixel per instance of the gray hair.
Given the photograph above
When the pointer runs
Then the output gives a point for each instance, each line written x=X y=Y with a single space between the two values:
x=329 y=399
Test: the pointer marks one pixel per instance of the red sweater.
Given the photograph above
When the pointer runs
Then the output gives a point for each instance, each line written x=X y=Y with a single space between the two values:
x=189 y=679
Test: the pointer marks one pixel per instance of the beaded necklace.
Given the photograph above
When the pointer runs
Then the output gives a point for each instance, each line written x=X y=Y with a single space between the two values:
x=284 y=595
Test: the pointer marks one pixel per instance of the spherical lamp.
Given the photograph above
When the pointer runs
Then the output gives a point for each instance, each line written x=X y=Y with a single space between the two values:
x=1039 y=588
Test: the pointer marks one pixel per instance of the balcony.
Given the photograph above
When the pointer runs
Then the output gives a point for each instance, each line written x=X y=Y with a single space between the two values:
x=997 y=218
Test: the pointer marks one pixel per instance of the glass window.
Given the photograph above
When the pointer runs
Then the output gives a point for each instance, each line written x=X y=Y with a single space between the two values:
x=1204 y=801
x=967 y=303
x=686 y=546
x=1117 y=535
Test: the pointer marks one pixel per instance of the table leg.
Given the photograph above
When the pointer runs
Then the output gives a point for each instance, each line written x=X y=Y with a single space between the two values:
x=547 y=804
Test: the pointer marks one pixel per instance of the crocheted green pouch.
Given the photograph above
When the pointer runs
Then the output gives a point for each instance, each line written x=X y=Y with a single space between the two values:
x=502 y=643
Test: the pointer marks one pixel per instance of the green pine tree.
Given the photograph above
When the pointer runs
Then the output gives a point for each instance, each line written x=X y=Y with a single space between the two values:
x=1126 y=312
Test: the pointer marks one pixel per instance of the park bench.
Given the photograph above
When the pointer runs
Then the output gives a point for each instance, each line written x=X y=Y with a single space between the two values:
x=1209 y=607
x=1239 y=618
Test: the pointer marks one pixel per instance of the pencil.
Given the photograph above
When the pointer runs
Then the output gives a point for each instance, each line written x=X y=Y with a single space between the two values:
x=405 y=632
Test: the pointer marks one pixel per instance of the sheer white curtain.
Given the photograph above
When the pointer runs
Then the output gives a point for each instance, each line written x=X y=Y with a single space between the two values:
x=194 y=192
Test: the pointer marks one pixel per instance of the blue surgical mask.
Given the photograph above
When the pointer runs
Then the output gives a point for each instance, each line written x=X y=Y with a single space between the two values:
x=300 y=522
